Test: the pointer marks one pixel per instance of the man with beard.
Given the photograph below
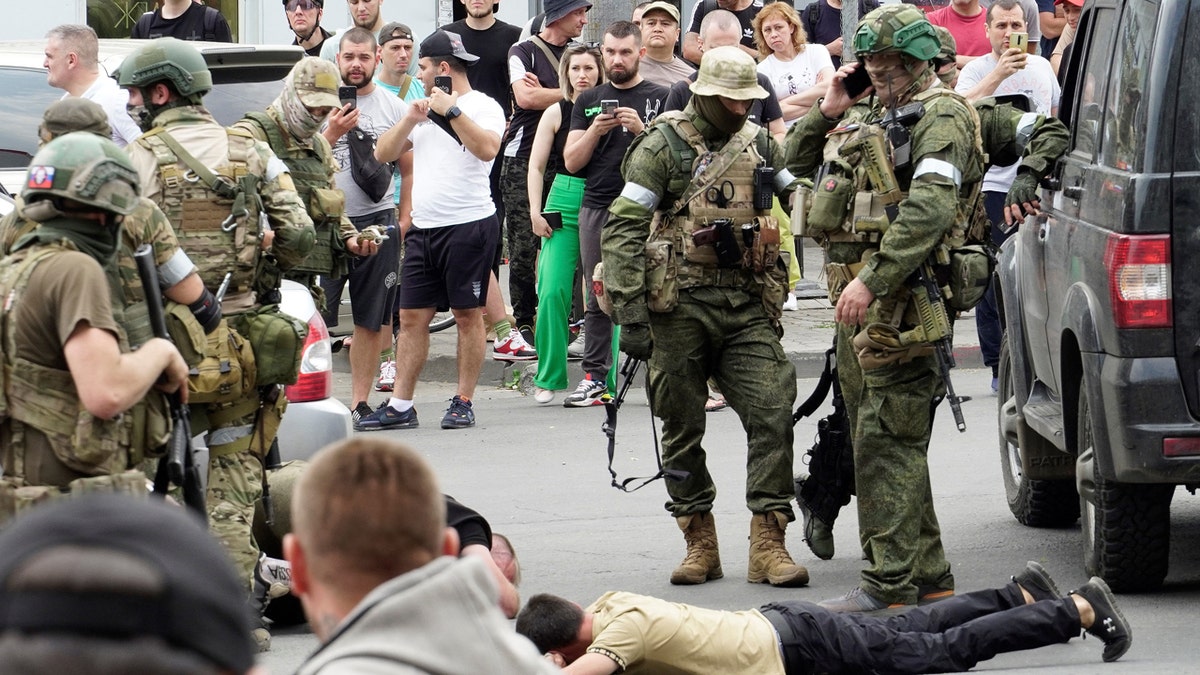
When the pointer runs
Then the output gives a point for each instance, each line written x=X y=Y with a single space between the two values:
x=364 y=14
x=372 y=280
x=533 y=77
x=889 y=374
x=304 y=18
x=692 y=173
x=603 y=124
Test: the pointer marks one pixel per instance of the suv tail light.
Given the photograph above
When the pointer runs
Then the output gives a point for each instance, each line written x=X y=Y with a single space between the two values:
x=1139 y=280
x=316 y=365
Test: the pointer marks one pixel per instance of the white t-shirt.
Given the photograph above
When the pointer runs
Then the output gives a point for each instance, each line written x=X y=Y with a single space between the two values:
x=377 y=112
x=105 y=93
x=1036 y=80
x=797 y=75
x=451 y=186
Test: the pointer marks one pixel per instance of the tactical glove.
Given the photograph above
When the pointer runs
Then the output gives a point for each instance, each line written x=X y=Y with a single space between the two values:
x=1024 y=189
x=636 y=340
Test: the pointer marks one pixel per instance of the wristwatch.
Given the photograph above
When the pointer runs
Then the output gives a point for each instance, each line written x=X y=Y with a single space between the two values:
x=453 y=112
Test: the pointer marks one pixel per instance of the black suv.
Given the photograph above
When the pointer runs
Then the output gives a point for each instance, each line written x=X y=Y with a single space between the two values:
x=1099 y=408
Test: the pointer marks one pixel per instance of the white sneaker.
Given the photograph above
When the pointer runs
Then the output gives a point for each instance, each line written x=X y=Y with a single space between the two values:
x=575 y=348
x=588 y=393
x=790 y=305
x=543 y=396
x=513 y=348
x=387 y=376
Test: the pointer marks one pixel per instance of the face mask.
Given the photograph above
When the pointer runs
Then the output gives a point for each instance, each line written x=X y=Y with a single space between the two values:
x=301 y=123
x=141 y=116
x=725 y=120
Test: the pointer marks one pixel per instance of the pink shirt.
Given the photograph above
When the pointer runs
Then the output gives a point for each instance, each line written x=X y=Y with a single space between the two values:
x=969 y=33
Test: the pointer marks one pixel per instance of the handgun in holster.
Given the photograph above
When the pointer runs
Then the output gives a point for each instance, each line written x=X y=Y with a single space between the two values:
x=721 y=237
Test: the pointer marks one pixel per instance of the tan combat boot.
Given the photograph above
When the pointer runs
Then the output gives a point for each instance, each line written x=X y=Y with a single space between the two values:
x=769 y=559
x=703 y=559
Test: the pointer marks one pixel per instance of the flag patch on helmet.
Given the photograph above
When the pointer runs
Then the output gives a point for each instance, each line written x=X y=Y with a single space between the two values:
x=40 y=178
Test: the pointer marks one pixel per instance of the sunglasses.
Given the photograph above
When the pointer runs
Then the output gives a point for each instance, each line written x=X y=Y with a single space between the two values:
x=306 y=5
x=575 y=44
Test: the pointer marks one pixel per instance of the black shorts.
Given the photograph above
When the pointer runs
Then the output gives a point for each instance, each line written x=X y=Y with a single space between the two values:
x=448 y=267
x=372 y=279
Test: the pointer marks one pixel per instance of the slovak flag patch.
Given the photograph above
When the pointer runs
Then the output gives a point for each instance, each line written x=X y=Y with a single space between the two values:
x=40 y=178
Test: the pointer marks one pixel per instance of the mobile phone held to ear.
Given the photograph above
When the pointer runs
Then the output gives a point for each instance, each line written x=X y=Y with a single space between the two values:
x=348 y=95
x=857 y=82
x=1018 y=41
x=443 y=82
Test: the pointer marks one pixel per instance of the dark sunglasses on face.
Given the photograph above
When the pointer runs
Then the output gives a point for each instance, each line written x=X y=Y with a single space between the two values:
x=306 y=5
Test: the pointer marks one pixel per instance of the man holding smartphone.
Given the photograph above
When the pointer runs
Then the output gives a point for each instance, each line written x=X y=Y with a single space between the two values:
x=454 y=138
x=1008 y=69
x=372 y=280
x=597 y=141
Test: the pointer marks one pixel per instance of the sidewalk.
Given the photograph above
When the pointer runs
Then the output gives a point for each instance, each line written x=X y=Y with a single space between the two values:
x=807 y=333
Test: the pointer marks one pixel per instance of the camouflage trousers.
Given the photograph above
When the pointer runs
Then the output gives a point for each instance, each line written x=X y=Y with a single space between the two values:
x=234 y=488
x=522 y=242
x=891 y=418
x=723 y=333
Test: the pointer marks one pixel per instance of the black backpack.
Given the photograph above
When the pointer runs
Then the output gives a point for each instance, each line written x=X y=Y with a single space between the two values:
x=141 y=30
x=812 y=13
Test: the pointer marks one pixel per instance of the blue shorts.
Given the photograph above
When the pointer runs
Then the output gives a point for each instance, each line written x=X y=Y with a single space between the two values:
x=448 y=267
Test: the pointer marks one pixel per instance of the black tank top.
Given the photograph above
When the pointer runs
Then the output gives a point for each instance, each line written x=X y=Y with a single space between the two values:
x=555 y=164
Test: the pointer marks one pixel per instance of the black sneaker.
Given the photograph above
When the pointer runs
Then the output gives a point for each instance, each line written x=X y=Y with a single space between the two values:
x=387 y=417
x=1035 y=579
x=360 y=411
x=459 y=415
x=1110 y=624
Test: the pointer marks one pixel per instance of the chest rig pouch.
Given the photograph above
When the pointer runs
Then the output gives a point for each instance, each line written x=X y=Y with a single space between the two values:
x=216 y=213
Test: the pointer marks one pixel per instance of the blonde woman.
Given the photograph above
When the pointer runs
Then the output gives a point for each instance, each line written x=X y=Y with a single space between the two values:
x=580 y=69
x=799 y=72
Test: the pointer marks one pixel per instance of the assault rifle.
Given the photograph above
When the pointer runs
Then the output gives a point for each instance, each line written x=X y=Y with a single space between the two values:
x=935 y=329
x=177 y=465
x=830 y=481
x=609 y=427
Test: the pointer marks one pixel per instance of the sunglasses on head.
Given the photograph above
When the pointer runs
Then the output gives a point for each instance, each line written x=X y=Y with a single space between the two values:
x=306 y=5
x=575 y=44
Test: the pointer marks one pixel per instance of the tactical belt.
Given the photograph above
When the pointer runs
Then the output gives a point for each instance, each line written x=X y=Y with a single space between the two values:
x=714 y=276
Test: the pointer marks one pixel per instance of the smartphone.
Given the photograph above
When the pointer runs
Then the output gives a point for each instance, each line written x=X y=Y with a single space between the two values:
x=857 y=82
x=553 y=219
x=443 y=82
x=609 y=106
x=348 y=95
x=1018 y=41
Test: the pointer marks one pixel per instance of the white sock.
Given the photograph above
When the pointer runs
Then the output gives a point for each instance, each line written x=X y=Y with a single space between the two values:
x=399 y=404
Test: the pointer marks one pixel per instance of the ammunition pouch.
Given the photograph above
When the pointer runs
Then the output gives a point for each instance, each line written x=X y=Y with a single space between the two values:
x=970 y=273
x=266 y=424
x=221 y=363
x=880 y=344
x=839 y=275
x=328 y=256
x=662 y=276
x=276 y=339
x=832 y=197
x=17 y=498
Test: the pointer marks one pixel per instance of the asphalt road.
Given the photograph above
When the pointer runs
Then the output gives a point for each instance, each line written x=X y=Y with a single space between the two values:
x=538 y=474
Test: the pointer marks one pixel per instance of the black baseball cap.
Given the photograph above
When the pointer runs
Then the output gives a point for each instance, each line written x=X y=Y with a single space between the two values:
x=445 y=43
x=394 y=31
x=115 y=566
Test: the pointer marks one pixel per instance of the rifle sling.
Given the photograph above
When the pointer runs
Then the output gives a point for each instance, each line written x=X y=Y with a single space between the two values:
x=821 y=391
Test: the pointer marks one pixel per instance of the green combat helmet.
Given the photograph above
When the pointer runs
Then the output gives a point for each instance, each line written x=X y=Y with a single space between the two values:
x=170 y=60
x=897 y=27
x=84 y=168
x=728 y=72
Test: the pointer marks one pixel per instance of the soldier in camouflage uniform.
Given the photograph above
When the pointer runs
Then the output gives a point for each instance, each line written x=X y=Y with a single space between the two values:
x=890 y=403
x=236 y=210
x=695 y=307
x=76 y=416
x=290 y=125
x=1009 y=134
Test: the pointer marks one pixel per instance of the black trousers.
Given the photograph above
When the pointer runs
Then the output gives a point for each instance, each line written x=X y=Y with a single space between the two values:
x=947 y=636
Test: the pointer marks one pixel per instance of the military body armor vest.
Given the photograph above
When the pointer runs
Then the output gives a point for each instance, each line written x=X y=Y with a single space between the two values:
x=219 y=230
x=38 y=397
x=326 y=206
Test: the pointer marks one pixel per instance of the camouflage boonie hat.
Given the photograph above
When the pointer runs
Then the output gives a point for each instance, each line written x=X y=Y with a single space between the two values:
x=728 y=72
x=74 y=114
x=316 y=82
x=85 y=168
x=897 y=27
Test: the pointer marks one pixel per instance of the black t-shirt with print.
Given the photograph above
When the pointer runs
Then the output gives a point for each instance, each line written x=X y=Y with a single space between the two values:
x=198 y=22
x=490 y=73
x=603 y=171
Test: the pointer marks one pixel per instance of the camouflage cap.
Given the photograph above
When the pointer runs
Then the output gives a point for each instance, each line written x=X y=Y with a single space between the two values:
x=74 y=114
x=949 y=49
x=896 y=27
x=316 y=82
x=729 y=72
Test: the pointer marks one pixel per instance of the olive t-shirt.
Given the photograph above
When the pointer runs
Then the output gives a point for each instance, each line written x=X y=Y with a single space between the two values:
x=65 y=290
x=603 y=170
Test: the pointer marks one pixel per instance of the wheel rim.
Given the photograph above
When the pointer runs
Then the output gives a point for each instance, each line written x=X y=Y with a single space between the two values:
x=1008 y=424
x=1085 y=484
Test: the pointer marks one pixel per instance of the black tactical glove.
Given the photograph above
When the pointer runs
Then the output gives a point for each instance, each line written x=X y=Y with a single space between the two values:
x=636 y=340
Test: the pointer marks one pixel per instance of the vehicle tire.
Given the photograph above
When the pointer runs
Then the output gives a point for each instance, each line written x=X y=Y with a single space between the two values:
x=441 y=321
x=1036 y=503
x=1126 y=526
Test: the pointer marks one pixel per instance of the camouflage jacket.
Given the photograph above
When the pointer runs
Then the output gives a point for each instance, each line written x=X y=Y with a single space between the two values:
x=946 y=134
x=651 y=169
x=1011 y=135
x=224 y=151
